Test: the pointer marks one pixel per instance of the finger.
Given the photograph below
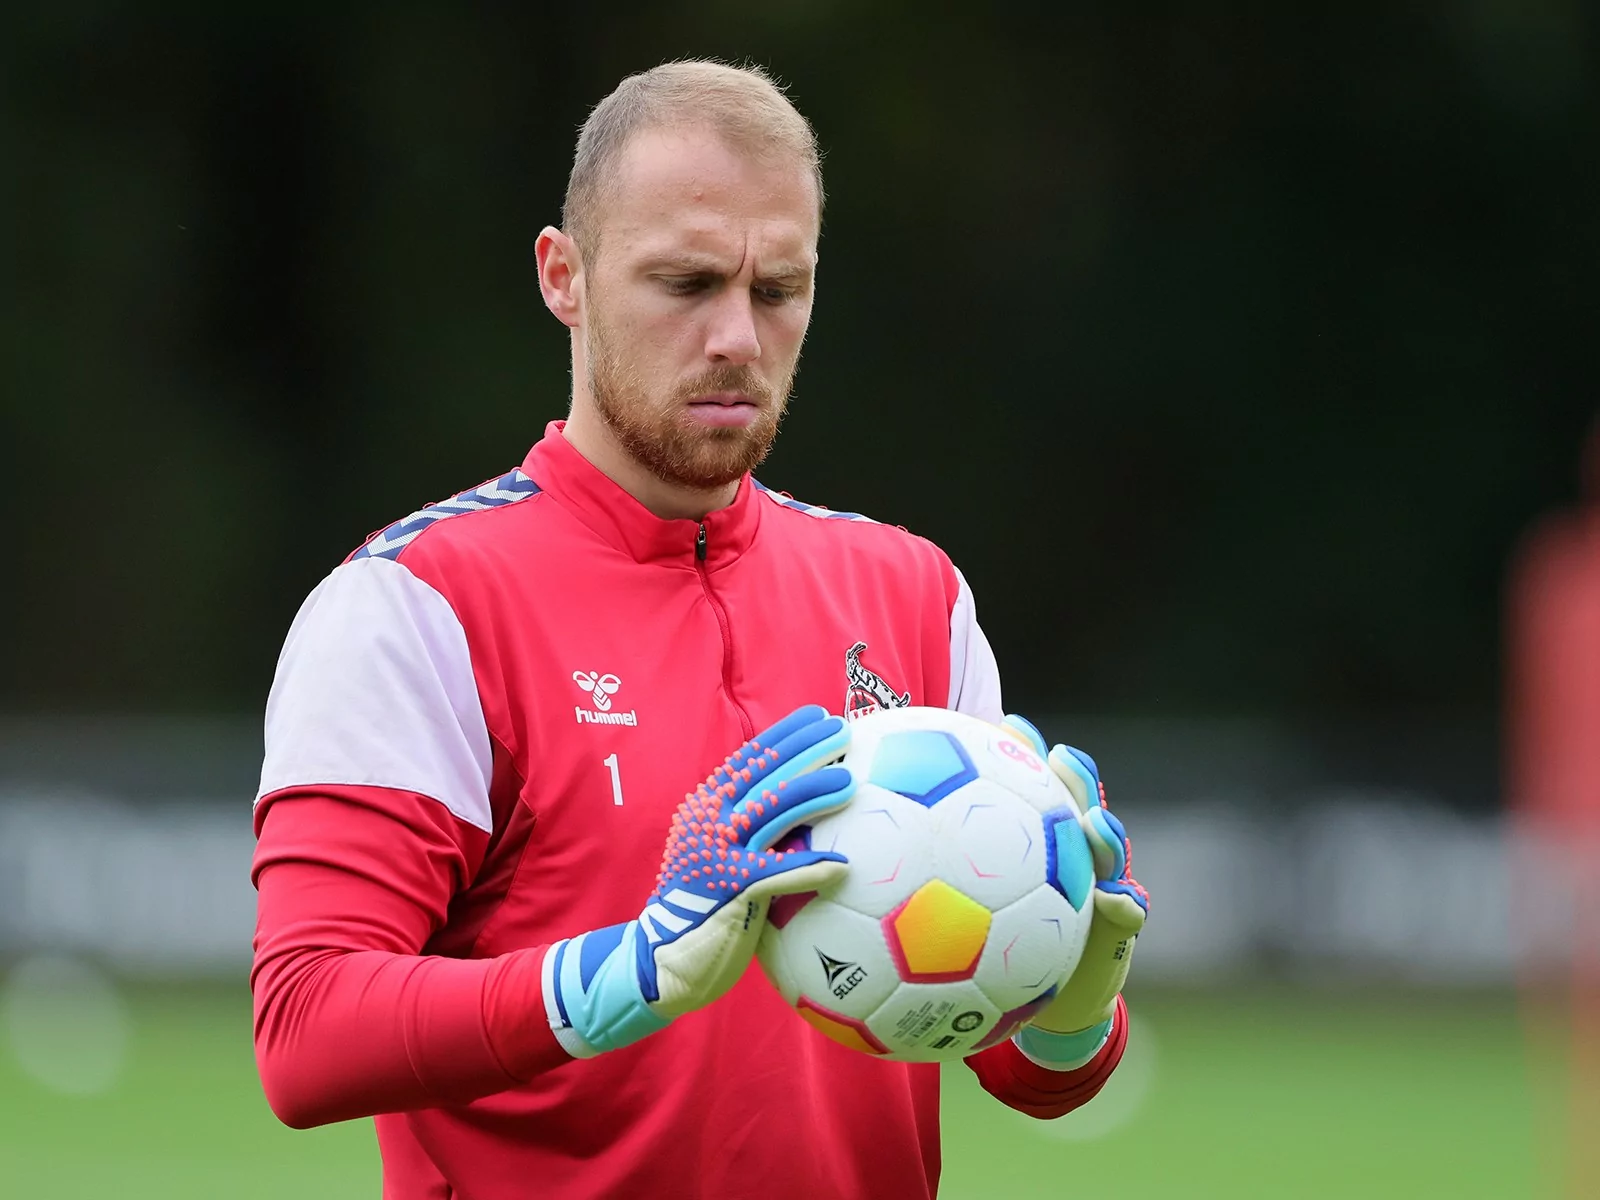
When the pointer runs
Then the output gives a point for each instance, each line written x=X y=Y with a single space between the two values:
x=748 y=754
x=806 y=714
x=1078 y=772
x=801 y=745
x=781 y=807
x=1025 y=729
x=799 y=871
x=802 y=750
x=1111 y=826
x=1088 y=763
x=815 y=742
x=1107 y=842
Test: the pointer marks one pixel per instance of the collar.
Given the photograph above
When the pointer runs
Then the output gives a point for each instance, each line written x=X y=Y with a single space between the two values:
x=620 y=520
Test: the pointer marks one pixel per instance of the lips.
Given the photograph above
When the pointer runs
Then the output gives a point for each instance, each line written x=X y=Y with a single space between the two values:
x=724 y=408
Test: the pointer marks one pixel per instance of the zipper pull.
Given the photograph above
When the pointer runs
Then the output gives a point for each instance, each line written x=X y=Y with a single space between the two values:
x=700 y=543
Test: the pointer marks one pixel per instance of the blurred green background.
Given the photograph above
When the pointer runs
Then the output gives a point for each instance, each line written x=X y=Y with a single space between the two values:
x=1230 y=351
x=1254 y=1093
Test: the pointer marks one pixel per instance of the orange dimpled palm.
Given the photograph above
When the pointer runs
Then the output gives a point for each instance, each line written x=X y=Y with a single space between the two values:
x=719 y=868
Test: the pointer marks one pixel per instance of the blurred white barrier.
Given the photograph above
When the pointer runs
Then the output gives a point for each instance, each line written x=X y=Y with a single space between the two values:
x=157 y=889
x=1365 y=886
x=1362 y=884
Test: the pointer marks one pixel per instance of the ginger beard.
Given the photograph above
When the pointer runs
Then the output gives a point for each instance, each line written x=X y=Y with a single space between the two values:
x=658 y=433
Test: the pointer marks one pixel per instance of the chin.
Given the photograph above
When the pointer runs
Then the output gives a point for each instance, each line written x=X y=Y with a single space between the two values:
x=722 y=457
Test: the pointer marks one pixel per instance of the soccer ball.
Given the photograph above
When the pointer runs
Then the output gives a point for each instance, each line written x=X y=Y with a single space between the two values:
x=967 y=900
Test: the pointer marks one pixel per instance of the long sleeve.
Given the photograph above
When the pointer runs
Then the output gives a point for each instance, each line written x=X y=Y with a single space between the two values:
x=374 y=811
x=351 y=1019
x=1020 y=1083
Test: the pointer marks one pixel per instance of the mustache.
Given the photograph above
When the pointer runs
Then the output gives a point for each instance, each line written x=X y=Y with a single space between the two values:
x=726 y=379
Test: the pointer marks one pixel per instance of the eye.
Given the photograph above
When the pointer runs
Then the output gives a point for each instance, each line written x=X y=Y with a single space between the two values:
x=684 y=285
x=776 y=295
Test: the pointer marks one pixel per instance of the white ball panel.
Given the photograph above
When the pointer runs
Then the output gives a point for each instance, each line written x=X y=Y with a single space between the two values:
x=1011 y=761
x=835 y=956
x=937 y=1022
x=1032 y=945
x=889 y=842
x=988 y=844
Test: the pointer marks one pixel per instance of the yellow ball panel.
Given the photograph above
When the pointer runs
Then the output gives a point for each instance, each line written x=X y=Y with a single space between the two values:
x=939 y=932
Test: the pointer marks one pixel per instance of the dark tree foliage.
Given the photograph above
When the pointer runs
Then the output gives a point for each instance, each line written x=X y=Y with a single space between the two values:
x=1227 y=352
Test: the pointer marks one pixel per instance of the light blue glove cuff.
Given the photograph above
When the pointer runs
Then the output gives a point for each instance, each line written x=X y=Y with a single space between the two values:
x=1061 y=1051
x=592 y=996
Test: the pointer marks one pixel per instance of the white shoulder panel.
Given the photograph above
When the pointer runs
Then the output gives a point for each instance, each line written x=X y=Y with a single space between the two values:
x=974 y=674
x=375 y=688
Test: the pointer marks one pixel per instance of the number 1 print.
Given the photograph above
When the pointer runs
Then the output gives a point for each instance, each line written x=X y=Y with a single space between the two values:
x=610 y=760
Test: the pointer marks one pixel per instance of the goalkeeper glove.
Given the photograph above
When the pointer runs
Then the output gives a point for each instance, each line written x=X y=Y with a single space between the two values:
x=1070 y=1030
x=699 y=928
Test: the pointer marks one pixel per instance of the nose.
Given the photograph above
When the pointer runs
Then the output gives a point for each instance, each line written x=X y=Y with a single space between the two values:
x=731 y=336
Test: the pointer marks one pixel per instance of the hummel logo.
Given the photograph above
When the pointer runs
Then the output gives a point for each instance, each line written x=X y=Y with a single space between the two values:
x=602 y=687
x=842 y=976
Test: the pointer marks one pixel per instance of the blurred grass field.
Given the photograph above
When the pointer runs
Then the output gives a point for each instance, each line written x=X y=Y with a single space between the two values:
x=1250 y=1094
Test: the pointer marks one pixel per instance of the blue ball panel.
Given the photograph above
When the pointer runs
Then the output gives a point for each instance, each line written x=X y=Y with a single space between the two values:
x=1070 y=865
x=924 y=765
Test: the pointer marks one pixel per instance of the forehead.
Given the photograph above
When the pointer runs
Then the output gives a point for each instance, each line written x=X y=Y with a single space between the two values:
x=688 y=189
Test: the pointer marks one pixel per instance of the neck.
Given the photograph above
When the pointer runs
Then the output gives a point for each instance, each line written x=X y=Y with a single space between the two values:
x=590 y=437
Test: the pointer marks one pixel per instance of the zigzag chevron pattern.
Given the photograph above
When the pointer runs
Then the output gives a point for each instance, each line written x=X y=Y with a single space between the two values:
x=507 y=489
x=811 y=510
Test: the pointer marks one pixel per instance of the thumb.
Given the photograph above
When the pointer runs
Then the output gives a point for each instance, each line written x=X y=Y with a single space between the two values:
x=1118 y=910
x=1078 y=771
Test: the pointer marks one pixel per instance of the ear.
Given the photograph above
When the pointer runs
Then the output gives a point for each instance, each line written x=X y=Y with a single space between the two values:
x=560 y=274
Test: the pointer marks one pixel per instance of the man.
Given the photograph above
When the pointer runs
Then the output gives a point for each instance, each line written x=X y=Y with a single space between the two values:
x=484 y=720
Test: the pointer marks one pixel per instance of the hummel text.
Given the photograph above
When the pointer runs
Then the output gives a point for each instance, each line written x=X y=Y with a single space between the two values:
x=588 y=717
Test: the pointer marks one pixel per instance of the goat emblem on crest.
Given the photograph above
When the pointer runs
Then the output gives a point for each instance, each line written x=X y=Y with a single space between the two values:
x=867 y=691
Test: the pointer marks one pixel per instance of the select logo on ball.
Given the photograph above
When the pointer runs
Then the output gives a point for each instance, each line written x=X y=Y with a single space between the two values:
x=842 y=976
x=966 y=1022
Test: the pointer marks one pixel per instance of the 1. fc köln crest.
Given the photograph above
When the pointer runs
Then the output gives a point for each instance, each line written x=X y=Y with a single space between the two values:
x=867 y=691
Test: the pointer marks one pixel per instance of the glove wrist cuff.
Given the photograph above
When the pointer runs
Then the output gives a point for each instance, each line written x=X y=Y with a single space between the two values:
x=555 y=1009
x=1062 y=1051
x=594 y=1002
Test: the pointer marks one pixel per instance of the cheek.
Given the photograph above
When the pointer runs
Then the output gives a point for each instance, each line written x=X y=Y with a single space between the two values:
x=787 y=330
x=663 y=345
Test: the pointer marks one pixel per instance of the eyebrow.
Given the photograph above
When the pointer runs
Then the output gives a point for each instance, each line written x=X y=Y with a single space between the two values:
x=694 y=264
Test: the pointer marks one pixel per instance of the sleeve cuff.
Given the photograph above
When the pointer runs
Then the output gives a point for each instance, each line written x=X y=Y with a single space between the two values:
x=1008 y=1074
x=514 y=1017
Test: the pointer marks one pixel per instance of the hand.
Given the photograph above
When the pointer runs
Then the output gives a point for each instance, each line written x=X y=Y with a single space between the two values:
x=699 y=928
x=1077 y=1021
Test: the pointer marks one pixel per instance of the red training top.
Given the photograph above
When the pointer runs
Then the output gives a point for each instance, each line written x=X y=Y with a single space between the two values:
x=480 y=727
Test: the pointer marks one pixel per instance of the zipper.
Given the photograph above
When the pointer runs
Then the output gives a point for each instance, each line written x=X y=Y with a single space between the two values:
x=746 y=725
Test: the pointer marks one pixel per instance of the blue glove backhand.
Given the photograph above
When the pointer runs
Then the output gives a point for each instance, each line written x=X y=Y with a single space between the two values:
x=699 y=927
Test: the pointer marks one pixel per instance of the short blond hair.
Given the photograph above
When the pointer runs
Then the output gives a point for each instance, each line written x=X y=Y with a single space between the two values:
x=743 y=104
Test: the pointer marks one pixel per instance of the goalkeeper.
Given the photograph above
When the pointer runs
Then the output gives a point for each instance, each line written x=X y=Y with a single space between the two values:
x=485 y=722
